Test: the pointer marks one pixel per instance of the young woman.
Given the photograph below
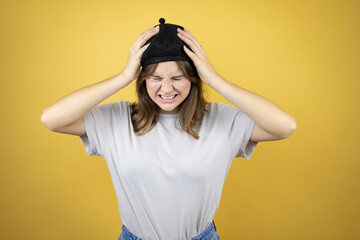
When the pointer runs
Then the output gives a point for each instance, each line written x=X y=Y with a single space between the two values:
x=169 y=153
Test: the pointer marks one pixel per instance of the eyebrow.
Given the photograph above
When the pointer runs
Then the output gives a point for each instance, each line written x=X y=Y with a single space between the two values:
x=172 y=77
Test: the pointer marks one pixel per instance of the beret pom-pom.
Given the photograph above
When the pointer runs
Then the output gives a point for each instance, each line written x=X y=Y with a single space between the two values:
x=161 y=20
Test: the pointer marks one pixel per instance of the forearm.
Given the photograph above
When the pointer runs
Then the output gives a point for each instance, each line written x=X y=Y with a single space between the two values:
x=270 y=117
x=73 y=106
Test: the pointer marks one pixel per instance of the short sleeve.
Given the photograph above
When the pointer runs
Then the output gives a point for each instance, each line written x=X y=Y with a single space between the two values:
x=239 y=127
x=99 y=126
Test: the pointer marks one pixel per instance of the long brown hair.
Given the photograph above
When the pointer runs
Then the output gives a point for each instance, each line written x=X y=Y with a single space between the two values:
x=145 y=113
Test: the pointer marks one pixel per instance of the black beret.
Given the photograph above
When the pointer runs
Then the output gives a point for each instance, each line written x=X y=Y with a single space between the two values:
x=165 y=46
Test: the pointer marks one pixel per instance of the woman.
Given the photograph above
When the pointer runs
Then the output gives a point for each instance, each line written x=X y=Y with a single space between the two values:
x=169 y=153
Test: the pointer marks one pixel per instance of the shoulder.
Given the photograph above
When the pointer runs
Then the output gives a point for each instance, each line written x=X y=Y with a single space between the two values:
x=218 y=108
x=111 y=109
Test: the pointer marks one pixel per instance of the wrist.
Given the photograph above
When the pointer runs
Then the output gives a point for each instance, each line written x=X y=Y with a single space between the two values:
x=217 y=82
x=125 y=78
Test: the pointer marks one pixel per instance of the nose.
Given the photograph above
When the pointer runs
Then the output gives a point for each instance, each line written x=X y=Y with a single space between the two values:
x=167 y=86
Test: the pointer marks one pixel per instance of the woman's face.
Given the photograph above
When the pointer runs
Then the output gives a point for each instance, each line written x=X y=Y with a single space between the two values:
x=168 y=87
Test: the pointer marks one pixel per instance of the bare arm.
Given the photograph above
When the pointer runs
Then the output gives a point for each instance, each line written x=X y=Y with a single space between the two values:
x=66 y=115
x=271 y=122
x=73 y=106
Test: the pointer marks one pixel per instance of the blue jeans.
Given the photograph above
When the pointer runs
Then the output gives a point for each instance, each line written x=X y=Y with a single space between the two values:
x=207 y=234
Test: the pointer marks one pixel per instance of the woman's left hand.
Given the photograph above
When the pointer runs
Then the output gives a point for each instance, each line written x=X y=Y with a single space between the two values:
x=203 y=66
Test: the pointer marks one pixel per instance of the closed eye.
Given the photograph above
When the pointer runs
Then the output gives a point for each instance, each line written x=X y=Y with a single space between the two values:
x=178 y=77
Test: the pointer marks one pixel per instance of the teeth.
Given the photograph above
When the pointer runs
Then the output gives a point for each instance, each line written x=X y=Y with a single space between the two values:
x=163 y=97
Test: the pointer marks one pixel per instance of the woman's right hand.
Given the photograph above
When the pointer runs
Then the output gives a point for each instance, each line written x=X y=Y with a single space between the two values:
x=132 y=67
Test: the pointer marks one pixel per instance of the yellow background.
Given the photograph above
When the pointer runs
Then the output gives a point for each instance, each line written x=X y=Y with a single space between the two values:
x=302 y=55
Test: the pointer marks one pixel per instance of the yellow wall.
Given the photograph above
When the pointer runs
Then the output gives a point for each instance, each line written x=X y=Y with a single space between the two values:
x=302 y=55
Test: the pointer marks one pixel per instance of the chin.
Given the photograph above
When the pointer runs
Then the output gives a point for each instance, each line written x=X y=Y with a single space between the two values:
x=168 y=109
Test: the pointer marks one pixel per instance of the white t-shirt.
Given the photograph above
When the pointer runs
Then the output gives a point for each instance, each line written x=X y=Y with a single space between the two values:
x=168 y=184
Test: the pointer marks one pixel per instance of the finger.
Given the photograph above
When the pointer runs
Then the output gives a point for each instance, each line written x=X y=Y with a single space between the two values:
x=187 y=35
x=143 y=37
x=192 y=45
x=193 y=37
x=186 y=32
x=190 y=54
x=144 y=48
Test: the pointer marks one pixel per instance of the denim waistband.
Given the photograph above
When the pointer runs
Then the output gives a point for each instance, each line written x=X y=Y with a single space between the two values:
x=206 y=234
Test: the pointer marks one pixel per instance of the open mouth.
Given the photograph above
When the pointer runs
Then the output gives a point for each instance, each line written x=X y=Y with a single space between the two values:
x=168 y=97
